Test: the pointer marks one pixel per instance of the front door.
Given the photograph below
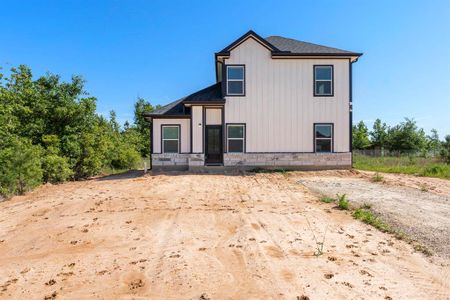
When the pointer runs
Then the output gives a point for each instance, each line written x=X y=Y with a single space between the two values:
x=213 y=148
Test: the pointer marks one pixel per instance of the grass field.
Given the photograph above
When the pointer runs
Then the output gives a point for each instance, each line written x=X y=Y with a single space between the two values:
x=429 y=167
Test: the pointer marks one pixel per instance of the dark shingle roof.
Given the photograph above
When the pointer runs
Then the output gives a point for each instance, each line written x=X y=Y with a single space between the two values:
x=174 y=108
x=281 y=46
x=211 y=94
x=299 y=47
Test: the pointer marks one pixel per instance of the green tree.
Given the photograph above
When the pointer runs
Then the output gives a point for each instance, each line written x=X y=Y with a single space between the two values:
x=55 y=167
x=142 y=126
x=50 y=131
x=113 y=121
x=378 y=135
x=433 y=142
x=20 y=166
x=406 y=137
x=360 y=136
x=445 y=149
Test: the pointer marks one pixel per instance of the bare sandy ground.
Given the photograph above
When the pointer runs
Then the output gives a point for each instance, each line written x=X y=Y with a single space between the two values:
x=423 y=214
x=200 y=237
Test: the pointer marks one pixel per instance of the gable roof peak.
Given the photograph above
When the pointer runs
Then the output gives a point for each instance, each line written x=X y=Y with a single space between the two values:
x=244 y=37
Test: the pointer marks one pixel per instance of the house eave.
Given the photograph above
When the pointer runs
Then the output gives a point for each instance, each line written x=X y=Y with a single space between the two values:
x=157 y=116
x=286 y=54
x=215 y=102
x=351 y=56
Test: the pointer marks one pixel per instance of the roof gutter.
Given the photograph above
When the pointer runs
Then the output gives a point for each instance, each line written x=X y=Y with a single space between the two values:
x=153 y=116
x=286 y=54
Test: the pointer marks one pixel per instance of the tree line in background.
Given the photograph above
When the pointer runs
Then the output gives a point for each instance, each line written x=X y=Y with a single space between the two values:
x=403 y=138
x=50 y=132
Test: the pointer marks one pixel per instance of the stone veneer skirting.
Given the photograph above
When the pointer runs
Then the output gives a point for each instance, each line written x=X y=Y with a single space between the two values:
x=301 y=161
x=177 y=161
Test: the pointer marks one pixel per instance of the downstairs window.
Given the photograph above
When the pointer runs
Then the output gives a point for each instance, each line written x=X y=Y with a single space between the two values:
x=323 y=137
x=235 y=138
x=170 y=138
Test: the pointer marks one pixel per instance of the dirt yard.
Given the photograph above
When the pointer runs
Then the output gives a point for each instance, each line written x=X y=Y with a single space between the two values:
x=202 y=237
x=418 y=207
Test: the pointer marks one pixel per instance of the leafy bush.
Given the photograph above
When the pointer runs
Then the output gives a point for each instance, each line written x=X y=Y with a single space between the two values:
x=127 y=158
x=56 y=168
x=20 y=166
x=343 y=202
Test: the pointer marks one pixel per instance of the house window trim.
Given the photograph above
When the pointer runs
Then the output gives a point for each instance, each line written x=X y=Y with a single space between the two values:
x=244 y=138
x=243 y=81
x=315 y=138
x=332 y=81
x=163 y=139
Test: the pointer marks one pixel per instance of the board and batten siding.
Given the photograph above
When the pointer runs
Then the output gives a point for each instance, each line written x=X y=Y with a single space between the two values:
x=279 y=108
x=213 y=116
x=185 y=133
x=197 y=129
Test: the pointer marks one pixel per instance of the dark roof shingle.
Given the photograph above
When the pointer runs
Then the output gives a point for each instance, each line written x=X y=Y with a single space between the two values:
x=300 y=47
x=174 y=108
x=212 y=94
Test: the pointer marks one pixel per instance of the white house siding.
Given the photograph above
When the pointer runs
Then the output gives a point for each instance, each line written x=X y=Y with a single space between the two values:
x=279 y=108
x=185 y=133
x=197 y=131
x=213 y=116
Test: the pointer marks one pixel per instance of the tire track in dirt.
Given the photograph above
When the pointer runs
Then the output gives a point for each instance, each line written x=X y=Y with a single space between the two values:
x=277 y=251
x=242 y=269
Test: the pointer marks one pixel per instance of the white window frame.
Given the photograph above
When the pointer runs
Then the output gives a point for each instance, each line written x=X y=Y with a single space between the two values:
x=236 y=139
x=330 y=138
x=236 y=80
x=164 y=139
x=331 y=94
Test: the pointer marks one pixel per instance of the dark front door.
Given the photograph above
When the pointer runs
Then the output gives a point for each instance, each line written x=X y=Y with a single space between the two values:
x=213 y=148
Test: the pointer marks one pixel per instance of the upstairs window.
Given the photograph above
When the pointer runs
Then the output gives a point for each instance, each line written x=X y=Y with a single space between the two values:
x=323 y=137
x=235 y=80
x=170 y=139
x=323 y=80
x=236 y=138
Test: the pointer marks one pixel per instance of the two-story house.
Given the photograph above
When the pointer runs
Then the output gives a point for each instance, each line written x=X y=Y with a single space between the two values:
x=276 y=103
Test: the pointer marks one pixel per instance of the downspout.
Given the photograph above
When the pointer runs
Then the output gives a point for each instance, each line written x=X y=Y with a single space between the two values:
x=350 y=63
x=151 y=144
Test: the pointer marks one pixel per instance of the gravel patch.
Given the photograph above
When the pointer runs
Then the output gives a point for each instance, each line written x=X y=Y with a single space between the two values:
x=424 y=216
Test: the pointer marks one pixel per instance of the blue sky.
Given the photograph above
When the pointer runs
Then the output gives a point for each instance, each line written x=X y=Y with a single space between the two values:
x=163 y=50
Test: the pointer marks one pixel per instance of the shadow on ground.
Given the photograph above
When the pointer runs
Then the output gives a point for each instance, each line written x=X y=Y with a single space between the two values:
x=138 y=173
x=125 y=175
